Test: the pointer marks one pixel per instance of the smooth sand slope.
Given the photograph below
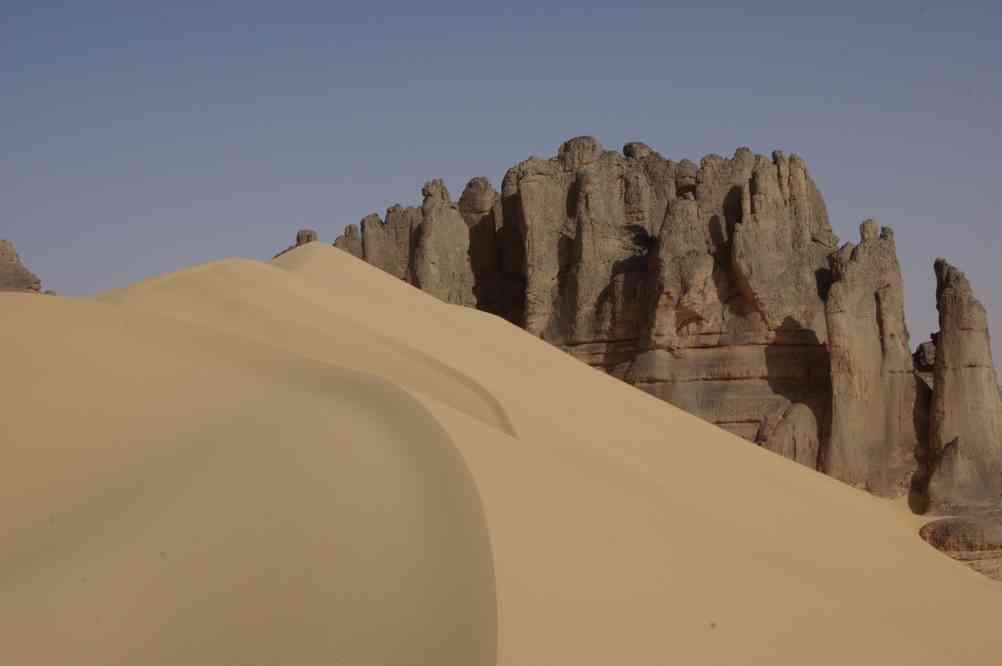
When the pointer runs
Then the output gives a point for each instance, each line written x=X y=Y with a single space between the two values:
x=292 y=462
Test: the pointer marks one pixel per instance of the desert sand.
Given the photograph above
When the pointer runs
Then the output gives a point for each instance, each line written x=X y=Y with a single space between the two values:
x=310 y=461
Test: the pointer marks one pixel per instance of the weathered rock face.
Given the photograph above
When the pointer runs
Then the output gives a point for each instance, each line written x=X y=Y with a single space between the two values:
x=878 y=404
x=701 y=284
x=718 y=287
x=303 y=236
x=388 y=244
x=734 y=333
x=442 y=248
x=480 y=207
x=350 y=241
x=792 y=433
x=14 y=276
x=966 y=415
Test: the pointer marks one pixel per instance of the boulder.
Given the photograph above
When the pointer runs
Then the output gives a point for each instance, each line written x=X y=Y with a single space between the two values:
x=924 y=360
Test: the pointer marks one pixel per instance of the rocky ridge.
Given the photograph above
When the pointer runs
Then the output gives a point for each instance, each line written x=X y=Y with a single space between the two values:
x=721 y=288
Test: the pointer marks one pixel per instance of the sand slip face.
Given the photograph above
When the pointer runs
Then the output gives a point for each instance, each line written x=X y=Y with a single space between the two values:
x=621 y=529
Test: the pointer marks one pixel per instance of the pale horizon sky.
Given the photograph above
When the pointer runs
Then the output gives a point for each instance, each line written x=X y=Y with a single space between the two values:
x=140 y=138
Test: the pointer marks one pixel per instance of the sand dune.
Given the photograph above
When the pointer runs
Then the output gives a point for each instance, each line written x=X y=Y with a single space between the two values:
x=293 y=462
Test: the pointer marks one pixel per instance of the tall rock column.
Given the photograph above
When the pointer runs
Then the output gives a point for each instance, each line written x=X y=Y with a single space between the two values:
x=442 y=248
x=480 y=207
x=966 y=418
x=388 y=245
x=877 y=401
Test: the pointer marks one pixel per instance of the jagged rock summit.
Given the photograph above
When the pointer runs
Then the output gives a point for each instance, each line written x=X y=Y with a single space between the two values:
x=719 y=287
x=14 y=275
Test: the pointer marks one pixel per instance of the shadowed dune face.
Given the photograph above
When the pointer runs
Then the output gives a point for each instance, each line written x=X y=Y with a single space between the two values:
x=183 y=496
x=293 y=463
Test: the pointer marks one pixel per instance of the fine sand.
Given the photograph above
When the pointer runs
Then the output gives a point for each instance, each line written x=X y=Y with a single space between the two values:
x=311 y=462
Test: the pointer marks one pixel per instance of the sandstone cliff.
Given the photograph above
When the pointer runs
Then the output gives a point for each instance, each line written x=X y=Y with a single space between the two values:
x=719 y=287
x=14 y=275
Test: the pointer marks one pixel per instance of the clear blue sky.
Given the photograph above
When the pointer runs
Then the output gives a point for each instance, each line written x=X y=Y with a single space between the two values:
x=139 y=138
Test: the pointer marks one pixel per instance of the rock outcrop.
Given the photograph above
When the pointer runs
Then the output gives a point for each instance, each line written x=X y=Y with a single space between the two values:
x=879 y=407
x=14 y=276
x=974 y=540
x=480 y=207
x=442 y=248
x=387 y=244
x=350 y=241
x=792 y=433
x=303 y=236
x=966 y=414
x=718 y=287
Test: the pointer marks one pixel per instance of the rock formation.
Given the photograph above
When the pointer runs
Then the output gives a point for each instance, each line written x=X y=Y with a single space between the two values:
x=442 y=248
x=879 y=407
x=14 y=276
x=924 y=360
x=350 y=241
x=966 y=415
x=303 y=236
x=720 y=288
x=792 y=433
x=974 y=540
x=480 y=207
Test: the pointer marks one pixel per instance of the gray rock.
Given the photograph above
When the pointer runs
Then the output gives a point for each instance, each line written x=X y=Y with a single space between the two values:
x=303 y=236
x=925 y=357
x=442 y=248
x=14 y=275
x=480 y=207
x=924 y=361
x=350 y=241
